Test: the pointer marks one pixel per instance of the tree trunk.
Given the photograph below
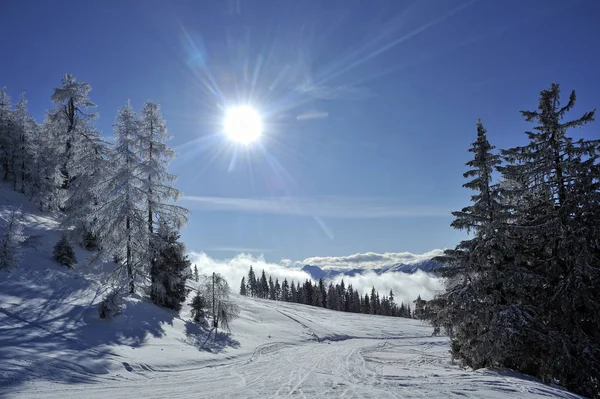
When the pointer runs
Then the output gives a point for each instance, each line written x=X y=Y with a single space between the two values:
x=129 y=266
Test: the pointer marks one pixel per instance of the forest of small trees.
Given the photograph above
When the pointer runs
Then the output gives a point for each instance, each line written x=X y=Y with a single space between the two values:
x=116 y=196
x=523 y=290
x=335 y=297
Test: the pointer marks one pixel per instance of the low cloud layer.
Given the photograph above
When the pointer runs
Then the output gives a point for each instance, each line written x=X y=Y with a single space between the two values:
x=406 y=287
x=233 y=269
x=369 y=260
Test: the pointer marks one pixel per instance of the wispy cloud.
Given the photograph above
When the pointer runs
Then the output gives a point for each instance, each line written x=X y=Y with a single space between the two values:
x=325 y=206
x=370 y=260
x=314 y=114
x=342 y=92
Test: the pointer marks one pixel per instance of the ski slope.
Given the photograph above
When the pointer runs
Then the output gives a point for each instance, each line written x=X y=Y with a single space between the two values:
x=53 y=345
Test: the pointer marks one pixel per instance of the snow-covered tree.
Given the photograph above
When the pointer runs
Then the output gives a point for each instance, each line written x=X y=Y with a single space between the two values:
x=222 y=310
x=196 y=276
x=123 y=228
x=155 y=157
x=25 y=129
x=7 y=133
x=11 y=240
x=169 y=270
x=70 y=123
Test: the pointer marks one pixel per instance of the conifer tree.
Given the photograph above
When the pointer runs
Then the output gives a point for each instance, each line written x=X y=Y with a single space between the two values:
x=170 y=270
x=243 y=287
x=63 y=253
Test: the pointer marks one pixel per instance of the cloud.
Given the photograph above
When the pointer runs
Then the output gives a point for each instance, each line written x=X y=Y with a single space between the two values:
x=369 y=260
x=323 y=206
x=312 y=115
x=406 y=287
x=342 y=92
x=233 y=269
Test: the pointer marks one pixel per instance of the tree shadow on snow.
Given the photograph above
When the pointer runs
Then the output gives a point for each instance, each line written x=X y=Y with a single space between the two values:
x=208 y=340
x=46 y=333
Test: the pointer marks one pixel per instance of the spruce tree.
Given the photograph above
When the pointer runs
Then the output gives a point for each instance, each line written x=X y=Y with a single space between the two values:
x=169 y=270
x=243 y=287
x=555 y=202
x=63 y=253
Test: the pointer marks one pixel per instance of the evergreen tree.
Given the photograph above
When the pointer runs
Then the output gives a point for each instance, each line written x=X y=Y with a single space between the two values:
x=252 y=282
x=7 y=133
x=271 y=289
x=475 y=285
x=170 y=270
x=198 y=306
x=63 y=253
x=263 y=288
x=277 y=290
x=196 y=277
x=243 y=287
x=285 y=291
x=555 y=207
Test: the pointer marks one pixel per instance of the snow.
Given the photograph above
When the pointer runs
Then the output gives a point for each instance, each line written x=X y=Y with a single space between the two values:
x=53 y=345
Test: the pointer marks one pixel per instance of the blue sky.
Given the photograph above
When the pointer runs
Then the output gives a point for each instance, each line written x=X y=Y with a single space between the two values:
x=369 y=106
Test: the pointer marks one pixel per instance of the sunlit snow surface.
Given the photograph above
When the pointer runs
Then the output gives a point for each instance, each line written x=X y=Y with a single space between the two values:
x=52 y=345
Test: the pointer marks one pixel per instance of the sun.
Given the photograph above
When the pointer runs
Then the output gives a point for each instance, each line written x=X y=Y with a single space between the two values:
x=243 y=124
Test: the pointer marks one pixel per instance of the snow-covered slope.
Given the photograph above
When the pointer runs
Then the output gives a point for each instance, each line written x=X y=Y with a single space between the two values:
x=53 y=345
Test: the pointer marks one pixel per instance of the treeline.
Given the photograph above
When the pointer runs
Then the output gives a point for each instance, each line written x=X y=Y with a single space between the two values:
x=117 y=197
x=335 y=297
x=522 y=292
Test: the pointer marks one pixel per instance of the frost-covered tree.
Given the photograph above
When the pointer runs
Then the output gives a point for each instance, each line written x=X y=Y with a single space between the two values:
x=23 y=150
x=123 y=227
x=11 y=240
x=63 y=253
x=155 y=157
x=69 y=123
x=222 y=310
x=169 y=270
x=196 y=276
x=7 y=133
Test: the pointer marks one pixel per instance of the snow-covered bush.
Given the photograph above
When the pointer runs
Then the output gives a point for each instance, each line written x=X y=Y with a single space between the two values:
x=63 y=253
x=111 y=305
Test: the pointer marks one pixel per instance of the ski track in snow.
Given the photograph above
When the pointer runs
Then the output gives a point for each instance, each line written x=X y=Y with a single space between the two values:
x=52 y=345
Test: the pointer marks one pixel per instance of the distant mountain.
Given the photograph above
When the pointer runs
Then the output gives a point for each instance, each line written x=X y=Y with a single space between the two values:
x=317 y=273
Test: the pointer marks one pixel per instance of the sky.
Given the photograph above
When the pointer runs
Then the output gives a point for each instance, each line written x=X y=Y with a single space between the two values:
x=368 y=107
